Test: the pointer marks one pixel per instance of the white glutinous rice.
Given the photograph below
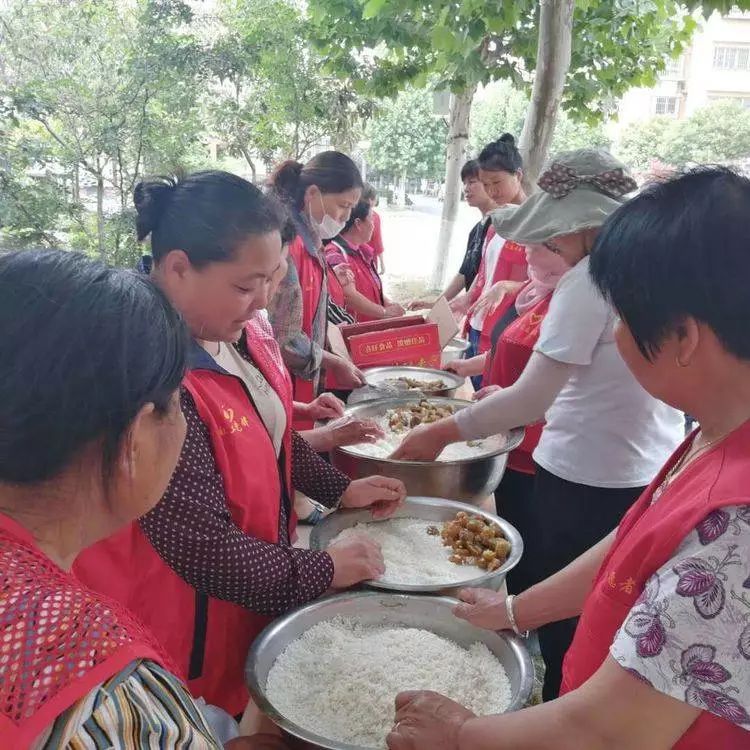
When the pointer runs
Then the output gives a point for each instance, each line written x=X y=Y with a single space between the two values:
x=454 y=452
x=411 y=555
x=340 y=678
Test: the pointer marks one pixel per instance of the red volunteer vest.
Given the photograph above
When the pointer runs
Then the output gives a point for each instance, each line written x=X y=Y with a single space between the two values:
x=310 y=273
x=376 y=241
x=366 y=278
x=511 y=266
x=646 y=539
x=335 y=290
x=60 y=641
x=477 y=286
x=504 y=366
x=207 y=638
x=336 y=293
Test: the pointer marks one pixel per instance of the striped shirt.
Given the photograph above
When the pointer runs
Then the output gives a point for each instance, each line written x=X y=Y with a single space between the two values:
x=143 y=706
x=338 y=315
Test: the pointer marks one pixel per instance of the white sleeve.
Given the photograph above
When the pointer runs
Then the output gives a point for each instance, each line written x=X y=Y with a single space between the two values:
x=578 y=316
x=525 y=402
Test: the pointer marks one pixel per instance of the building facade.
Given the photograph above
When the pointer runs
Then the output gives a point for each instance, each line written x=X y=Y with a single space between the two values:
x=715 y=66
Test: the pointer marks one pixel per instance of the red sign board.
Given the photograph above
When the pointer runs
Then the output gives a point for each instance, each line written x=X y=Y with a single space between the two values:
x=417 y=345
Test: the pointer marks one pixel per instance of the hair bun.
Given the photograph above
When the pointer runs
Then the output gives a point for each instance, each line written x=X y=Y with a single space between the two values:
x=501 y=155
x=285 y=179
x=151 y=198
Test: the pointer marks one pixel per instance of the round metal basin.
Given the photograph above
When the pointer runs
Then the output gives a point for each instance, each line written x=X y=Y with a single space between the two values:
x=470 y=480
x=454 y=349
x=370 y=608
x=379 y=377
x=429 y=509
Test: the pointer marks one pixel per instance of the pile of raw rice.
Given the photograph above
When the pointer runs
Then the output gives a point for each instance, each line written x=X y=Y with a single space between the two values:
x=412 y=556
x=340 y=678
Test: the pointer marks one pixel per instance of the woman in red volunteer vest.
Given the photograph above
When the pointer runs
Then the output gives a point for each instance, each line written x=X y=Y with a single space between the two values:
x=604 y=437
x=362 y=286
x=320 y=196
x=661 y=657
x=91 y=432
x=326 y=406
x=210 y=566
x=501 y=171
x=513 y=339
x=370 y=195
x=457 y=288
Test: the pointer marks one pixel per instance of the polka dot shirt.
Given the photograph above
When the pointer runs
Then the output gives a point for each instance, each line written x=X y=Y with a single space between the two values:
x=192 y=530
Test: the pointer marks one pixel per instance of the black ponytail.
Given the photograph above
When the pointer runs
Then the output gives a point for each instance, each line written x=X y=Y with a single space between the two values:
x=207 y=215
x=329 y=171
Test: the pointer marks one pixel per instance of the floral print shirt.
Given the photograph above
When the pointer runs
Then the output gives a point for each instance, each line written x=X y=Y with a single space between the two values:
x=688 y=635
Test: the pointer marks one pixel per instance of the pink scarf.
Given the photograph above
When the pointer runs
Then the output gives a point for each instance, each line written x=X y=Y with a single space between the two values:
x=545 y=270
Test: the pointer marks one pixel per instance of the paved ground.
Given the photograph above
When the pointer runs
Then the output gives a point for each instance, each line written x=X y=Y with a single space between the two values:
x=410 y=238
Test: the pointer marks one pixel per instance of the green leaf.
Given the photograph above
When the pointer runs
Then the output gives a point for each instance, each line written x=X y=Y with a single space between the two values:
x=443 y=39
x=373 y=8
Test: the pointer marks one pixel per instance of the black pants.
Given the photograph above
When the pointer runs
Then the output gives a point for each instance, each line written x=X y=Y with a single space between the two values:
x=566 y=519
x=513 y=503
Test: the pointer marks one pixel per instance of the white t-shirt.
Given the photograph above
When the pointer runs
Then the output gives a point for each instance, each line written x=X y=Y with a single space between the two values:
x=603 y=429
x=266 y=400
x=491 y=254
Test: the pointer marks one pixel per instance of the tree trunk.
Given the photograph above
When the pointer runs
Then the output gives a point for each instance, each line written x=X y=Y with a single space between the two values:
x=458 y=139
x=552 y=64
x=250 y=163
x=76 y=184
x=100 y=214
x=401 y=192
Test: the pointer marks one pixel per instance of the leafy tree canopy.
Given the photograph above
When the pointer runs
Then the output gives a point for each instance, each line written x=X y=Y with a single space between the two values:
x=502 y=108
x=717 y=133
x=380 y=44
x=406 y=138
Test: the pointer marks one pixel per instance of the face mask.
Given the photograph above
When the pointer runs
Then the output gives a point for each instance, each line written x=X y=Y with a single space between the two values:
x=545 y=267
x=328 y=227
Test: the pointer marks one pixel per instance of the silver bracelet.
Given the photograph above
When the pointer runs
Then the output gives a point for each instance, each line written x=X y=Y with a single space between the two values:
x=512 y=616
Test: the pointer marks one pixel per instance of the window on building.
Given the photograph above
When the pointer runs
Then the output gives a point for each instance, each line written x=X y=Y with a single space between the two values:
x=731 y=58
x=673 y=69
x=665 y=105
x=743 y=99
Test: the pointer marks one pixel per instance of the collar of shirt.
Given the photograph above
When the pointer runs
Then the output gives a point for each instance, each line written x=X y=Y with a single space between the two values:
x=308 y=235
x=199 y=359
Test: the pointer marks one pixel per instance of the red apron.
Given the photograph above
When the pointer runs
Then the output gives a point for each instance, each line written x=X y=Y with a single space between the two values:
x=47 y=668
x=646 y=540
x=504 y=365
x=208 y=638
x=366 y=277
x=376 y=241
x=336 y=293
x=310 y=273
x=511 y=266
x=477 y=286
